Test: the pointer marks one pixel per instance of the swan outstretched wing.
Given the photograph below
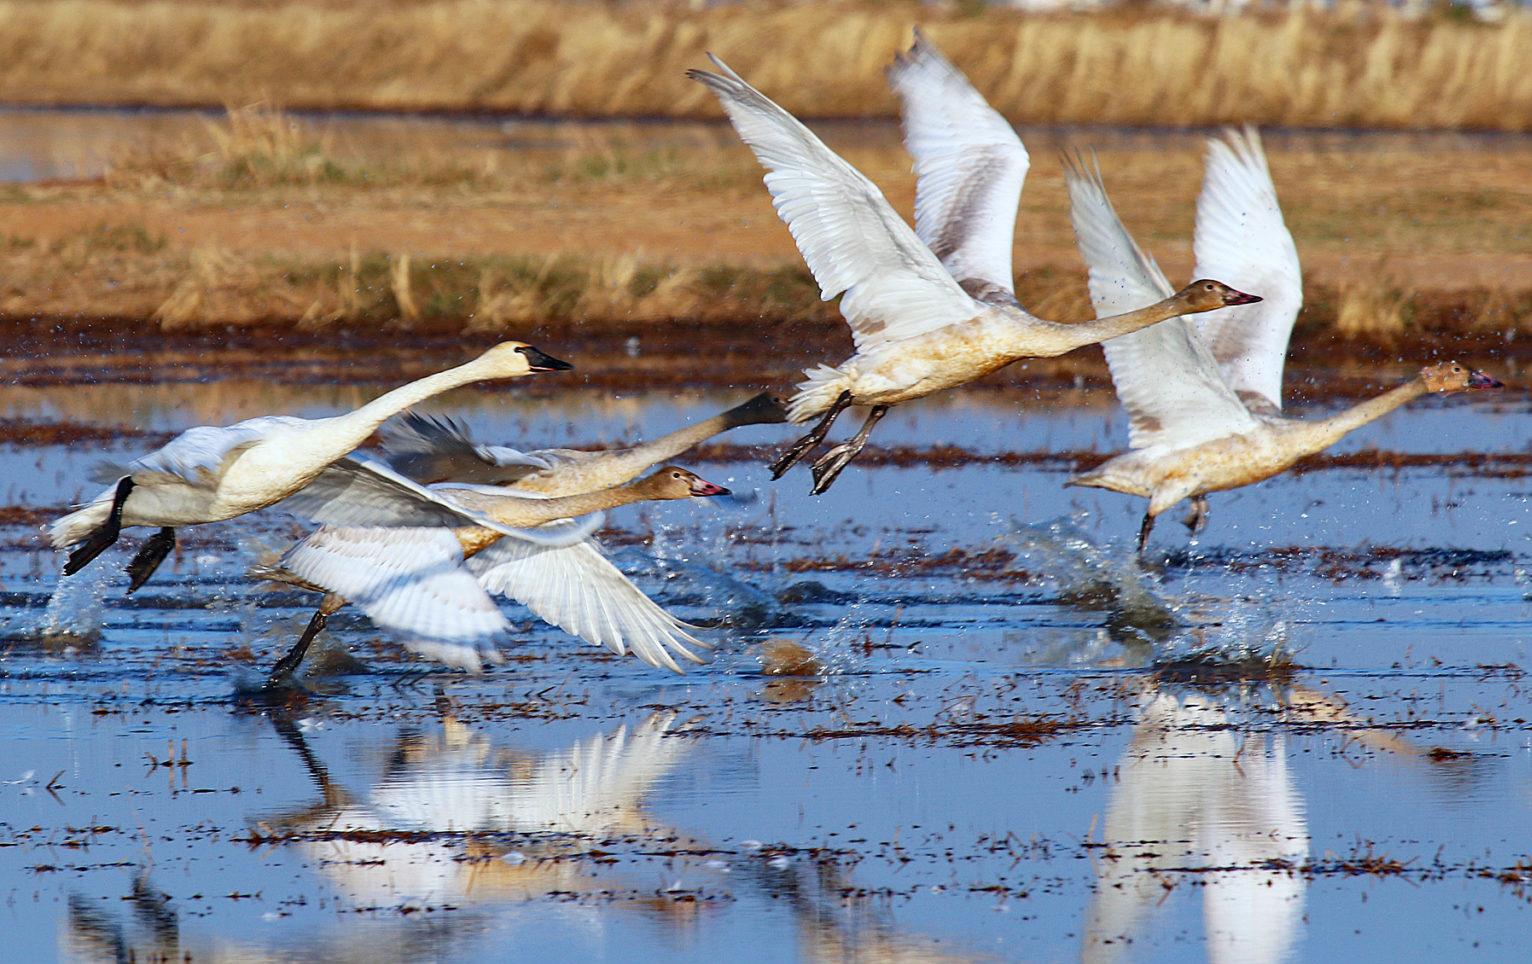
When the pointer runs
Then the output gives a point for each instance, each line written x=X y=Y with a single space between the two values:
x=410 y=581
x=576 y=589
x=1242 y=240
x=969 y=168
x=1165 y=378
x=199 y=455
x=851 y=238
x=362 y=492
x=439 y=448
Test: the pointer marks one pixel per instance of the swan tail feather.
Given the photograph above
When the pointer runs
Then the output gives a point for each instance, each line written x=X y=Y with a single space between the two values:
x=77 y=526
x=817 y=392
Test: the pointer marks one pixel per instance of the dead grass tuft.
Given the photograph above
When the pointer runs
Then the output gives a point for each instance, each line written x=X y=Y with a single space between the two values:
x=1375 y=307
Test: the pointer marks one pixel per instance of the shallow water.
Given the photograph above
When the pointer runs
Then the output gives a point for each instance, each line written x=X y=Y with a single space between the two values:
x=1023 y=745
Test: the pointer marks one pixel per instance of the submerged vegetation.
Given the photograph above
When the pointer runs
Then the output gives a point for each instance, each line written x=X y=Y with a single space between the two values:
x=1353 y=66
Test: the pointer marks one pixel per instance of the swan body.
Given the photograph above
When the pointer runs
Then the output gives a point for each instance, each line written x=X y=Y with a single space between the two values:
x=210 y=474
x=931 y=308
x=434 y=585
x=1204 y=401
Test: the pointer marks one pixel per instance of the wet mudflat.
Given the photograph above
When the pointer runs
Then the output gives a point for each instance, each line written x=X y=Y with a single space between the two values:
x=1308 y=732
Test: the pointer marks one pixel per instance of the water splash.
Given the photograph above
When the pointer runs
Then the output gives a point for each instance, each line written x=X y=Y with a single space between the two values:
x=722 y=597
x=1247 y=628
x=1092 y=577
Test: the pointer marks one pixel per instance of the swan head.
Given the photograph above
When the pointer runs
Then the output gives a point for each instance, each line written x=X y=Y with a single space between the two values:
x=1206 y=294
x=511 y=359
x=1451 y=376
x=674 y=482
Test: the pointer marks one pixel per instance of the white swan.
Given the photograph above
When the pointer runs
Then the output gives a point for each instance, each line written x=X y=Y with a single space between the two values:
x=919 y=325
x=1204 y=403
x=209 y=474
x=434 y=585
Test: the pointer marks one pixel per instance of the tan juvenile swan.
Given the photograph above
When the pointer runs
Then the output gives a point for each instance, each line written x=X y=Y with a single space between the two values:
x=433 y=585
x=921 y=321
x=1204 y=404
x=436 y=449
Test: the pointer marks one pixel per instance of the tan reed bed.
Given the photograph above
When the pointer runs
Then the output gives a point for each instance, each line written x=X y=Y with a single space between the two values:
x=1364 y=67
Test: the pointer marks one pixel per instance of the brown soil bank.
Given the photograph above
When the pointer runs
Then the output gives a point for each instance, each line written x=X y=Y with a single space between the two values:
x=1364 y=68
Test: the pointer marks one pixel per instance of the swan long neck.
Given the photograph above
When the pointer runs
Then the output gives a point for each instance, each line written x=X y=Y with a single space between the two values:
x=1336 y=427
x=1113 y=326
x=353 y=428
x=629 y=462
x=531 y=512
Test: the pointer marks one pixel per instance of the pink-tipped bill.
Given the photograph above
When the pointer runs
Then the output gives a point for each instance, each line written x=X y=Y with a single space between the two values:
x=702 y=488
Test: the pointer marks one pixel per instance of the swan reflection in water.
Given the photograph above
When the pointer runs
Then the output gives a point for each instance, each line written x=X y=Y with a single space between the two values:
x=560 y=807
x=1190 y=797
x=461 y=841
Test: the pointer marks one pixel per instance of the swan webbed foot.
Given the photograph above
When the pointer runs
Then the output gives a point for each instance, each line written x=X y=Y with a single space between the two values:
x=150 y=555
x=282 y=673
x=810 y=441
x=105 y=535
x=798 y=450
x=1143 y=532
x=1197 y=519
x=833 y=462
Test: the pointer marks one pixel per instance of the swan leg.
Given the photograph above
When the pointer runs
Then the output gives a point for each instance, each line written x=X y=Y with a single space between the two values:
x=150 y=555
x=282 y=673
x=1143 y=532
x=830 y=465
x=104 y=536
x=1197 y=519
x=816 y=435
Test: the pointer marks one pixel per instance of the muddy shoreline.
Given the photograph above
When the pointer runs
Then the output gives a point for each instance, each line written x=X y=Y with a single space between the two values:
x=43 y=351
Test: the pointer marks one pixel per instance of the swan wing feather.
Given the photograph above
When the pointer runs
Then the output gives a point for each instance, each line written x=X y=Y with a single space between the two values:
x=200 y=454
x=1242 y=240
x=969 y=167
x=578 y=590
x=851 y=238
x=438 y=448
x=363 y=492
x=1165 y=377
x=410 y=581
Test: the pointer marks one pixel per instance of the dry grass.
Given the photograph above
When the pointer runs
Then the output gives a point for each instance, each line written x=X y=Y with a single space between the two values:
x=133 y=275
x=258 y=218
x=1366 y=67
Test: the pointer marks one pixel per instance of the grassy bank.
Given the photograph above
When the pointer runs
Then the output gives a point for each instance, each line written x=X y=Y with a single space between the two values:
x=264 y=221
x=1365 y=67
x=127 y=275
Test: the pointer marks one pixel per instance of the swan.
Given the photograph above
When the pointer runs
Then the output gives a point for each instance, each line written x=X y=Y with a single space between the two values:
x=436 y=448
x=1205 y=403
x=434 y=584
x=922 y=318
x=212 y=473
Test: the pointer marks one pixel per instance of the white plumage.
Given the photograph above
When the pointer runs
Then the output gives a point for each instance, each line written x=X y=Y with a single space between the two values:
x=969 y=167
x=211 y=473
x=1165 y=377
x=851 y=238
x=578 y=590
x=1242 y=238
x=923 y=318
